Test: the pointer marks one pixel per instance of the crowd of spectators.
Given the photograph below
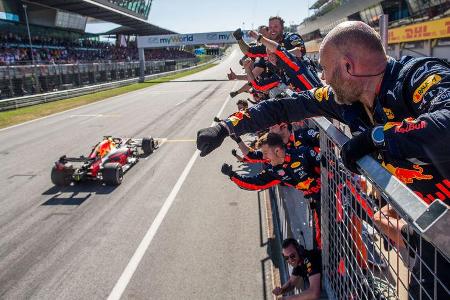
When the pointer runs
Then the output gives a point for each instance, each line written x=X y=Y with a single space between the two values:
x=15 y=50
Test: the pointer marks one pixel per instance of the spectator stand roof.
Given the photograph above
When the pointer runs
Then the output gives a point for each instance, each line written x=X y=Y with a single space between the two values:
x=18 y=28
x=98 y=9
x=142 y=29
x=318 y=4
x=337 y=15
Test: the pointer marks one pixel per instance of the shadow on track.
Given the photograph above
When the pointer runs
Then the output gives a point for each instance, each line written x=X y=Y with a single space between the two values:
x=76 y=193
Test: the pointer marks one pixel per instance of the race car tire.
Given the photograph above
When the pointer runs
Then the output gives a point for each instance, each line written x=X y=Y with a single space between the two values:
x=148 y=145
x=62 y=177
x=112 y=173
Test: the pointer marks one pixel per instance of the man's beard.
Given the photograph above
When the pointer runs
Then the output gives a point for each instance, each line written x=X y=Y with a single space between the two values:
x=344 y=92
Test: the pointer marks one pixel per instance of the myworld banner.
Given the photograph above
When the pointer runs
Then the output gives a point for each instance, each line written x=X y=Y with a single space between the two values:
x=171 y=40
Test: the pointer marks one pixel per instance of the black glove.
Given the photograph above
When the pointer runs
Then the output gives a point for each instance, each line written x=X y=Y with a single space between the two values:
x=236 y=138
x=227 y=170
x=234 y=152
x=233 y=94
x=238 y=34
x=356 y=148
x=210 y=138
x=216 y=119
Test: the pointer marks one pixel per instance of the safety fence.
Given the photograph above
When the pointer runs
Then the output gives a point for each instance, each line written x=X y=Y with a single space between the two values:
x=17 y=102
x=365 y=255
x=16 y=81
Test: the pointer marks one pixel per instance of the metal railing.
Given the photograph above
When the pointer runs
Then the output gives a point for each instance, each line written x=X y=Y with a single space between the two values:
x=365 y=255
x=17 y=81
x=77 y=80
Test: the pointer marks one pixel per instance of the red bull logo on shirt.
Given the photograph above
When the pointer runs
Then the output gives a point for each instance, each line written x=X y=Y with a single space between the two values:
x=410 y=126
x=304 y=185
x=406 y=175
x=407 y=125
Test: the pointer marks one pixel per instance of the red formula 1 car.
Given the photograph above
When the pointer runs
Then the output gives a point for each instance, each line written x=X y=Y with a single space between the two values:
x=108 y=161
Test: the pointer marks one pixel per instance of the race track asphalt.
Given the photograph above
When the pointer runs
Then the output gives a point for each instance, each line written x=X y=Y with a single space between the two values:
x=76 y=242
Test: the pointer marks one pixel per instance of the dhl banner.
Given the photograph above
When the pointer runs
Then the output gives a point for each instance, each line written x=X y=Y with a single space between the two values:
x=420 y=31
x=312 y=46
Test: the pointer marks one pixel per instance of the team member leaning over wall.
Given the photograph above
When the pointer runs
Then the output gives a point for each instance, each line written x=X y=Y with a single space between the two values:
x=396 y=109
x=296 y=167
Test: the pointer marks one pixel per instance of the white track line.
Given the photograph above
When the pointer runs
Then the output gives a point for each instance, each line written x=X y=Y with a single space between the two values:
x=125 y=278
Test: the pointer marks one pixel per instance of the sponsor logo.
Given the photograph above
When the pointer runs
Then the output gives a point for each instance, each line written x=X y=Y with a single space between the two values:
x=281 y=172
x=410 y=126
x=321 y=93
x=312 y=132
x=406 y=175
x=224 y=37
x=389 y=114
x=297 y=143
x=304 y=185
x=425 y=86
x=177 y=39
x=218 y=36
x=389 y=125
x=312 y=153
x=295 y=164
x=300 y=171
x=211 y=36
x=391 y=94
x=427 y=68
x=443 y=95
x=237 y=117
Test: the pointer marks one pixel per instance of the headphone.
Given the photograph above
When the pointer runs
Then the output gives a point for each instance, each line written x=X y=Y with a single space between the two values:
x=362 y=75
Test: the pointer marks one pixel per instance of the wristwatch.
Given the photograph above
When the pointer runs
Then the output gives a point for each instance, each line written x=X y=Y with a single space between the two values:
x=378 y=136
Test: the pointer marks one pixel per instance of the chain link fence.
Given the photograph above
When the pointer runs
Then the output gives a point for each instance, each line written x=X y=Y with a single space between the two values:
x=379 y=240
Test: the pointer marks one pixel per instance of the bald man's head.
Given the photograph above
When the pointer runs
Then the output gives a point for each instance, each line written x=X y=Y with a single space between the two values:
x=353 y=59
x=351 y=35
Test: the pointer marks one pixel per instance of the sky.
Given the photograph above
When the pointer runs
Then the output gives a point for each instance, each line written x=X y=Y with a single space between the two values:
x=192 y=16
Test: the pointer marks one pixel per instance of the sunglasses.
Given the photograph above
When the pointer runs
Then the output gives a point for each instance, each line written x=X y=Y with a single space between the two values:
x=292 y=256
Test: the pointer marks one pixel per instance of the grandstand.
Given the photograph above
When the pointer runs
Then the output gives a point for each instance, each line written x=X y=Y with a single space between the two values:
x=416 y=27
x=57 y=30
x=46 y=33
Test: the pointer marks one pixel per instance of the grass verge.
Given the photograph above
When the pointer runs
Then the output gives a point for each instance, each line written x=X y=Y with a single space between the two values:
x=20 y=115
